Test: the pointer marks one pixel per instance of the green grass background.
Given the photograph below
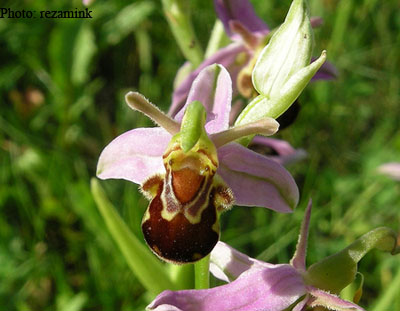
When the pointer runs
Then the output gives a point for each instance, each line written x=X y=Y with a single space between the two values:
x=62 y=84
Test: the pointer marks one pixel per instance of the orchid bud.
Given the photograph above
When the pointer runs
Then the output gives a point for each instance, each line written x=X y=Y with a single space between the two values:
x=283 y=68
x=335 y=272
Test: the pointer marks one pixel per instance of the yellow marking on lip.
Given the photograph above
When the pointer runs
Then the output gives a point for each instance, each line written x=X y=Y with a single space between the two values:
x=156 y=249
x=146 y=216
x=215 y=227
x=150 y=187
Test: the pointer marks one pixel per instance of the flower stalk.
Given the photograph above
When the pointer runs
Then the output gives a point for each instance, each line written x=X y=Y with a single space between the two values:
x=177 y=13
x=202 y=274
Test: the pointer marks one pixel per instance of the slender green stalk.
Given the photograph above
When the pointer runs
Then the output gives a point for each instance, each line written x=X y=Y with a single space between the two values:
x=218 y=39
x=341 y=25
x=386 y=300
x=182 y=275
x=178 y=17
x=201 y=273
x=147 y=268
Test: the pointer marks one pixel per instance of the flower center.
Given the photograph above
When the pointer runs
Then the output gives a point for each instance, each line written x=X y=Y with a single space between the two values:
x=186 y=184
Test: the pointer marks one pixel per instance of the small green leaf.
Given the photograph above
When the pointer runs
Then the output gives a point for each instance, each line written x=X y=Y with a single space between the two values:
x=127 y=20
x=84 y=50
x=75 y=303
x=389 y=295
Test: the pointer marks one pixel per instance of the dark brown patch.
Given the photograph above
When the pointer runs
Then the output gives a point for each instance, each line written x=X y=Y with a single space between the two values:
x=201 y=200
x=289 y=116
x=178 y=240
x=151 y=184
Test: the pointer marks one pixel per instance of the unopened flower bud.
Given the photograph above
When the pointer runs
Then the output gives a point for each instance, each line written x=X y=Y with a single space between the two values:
x=283 y=68
x=335 y=272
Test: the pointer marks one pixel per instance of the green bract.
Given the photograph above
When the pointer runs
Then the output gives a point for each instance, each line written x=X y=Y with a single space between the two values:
x=283 y=68
x=335 y=272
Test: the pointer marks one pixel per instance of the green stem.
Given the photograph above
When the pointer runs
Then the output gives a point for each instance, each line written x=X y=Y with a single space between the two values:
x=182 y=275
x=390 y=294
x=201 y=273
x=178 y=17
x=147 y=268
x=218 y=39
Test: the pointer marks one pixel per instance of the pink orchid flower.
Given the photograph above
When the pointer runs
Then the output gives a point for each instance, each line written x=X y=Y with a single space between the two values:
x=244 y=176
x=391 y=169
x=278 y=150
x=260 y=286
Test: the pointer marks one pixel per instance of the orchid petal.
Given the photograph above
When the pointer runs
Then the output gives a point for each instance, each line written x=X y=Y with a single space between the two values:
x=286 y=154
x=266 y=126
x=226 y=56
x=330 y=301
x=256 y=180
x=87 y=2
x=239 y=11
x=213 y=88
x=227 y=263
x=390 y=169
x=301 y=304
x=316 y=21
x=138 y=102
x=326 y=72
x=165 y=308
x=135 y=155
x=274 y=288
x=281 y=147
x=299 y=259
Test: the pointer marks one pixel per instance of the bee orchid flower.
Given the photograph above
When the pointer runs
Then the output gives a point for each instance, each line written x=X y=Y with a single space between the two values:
x=257 y=285
x=191 y=169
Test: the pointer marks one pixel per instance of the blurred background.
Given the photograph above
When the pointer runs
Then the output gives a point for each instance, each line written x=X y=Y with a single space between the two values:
x=62 y=83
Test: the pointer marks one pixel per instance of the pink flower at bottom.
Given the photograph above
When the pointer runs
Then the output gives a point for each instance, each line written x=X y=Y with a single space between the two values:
x=255 y=285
